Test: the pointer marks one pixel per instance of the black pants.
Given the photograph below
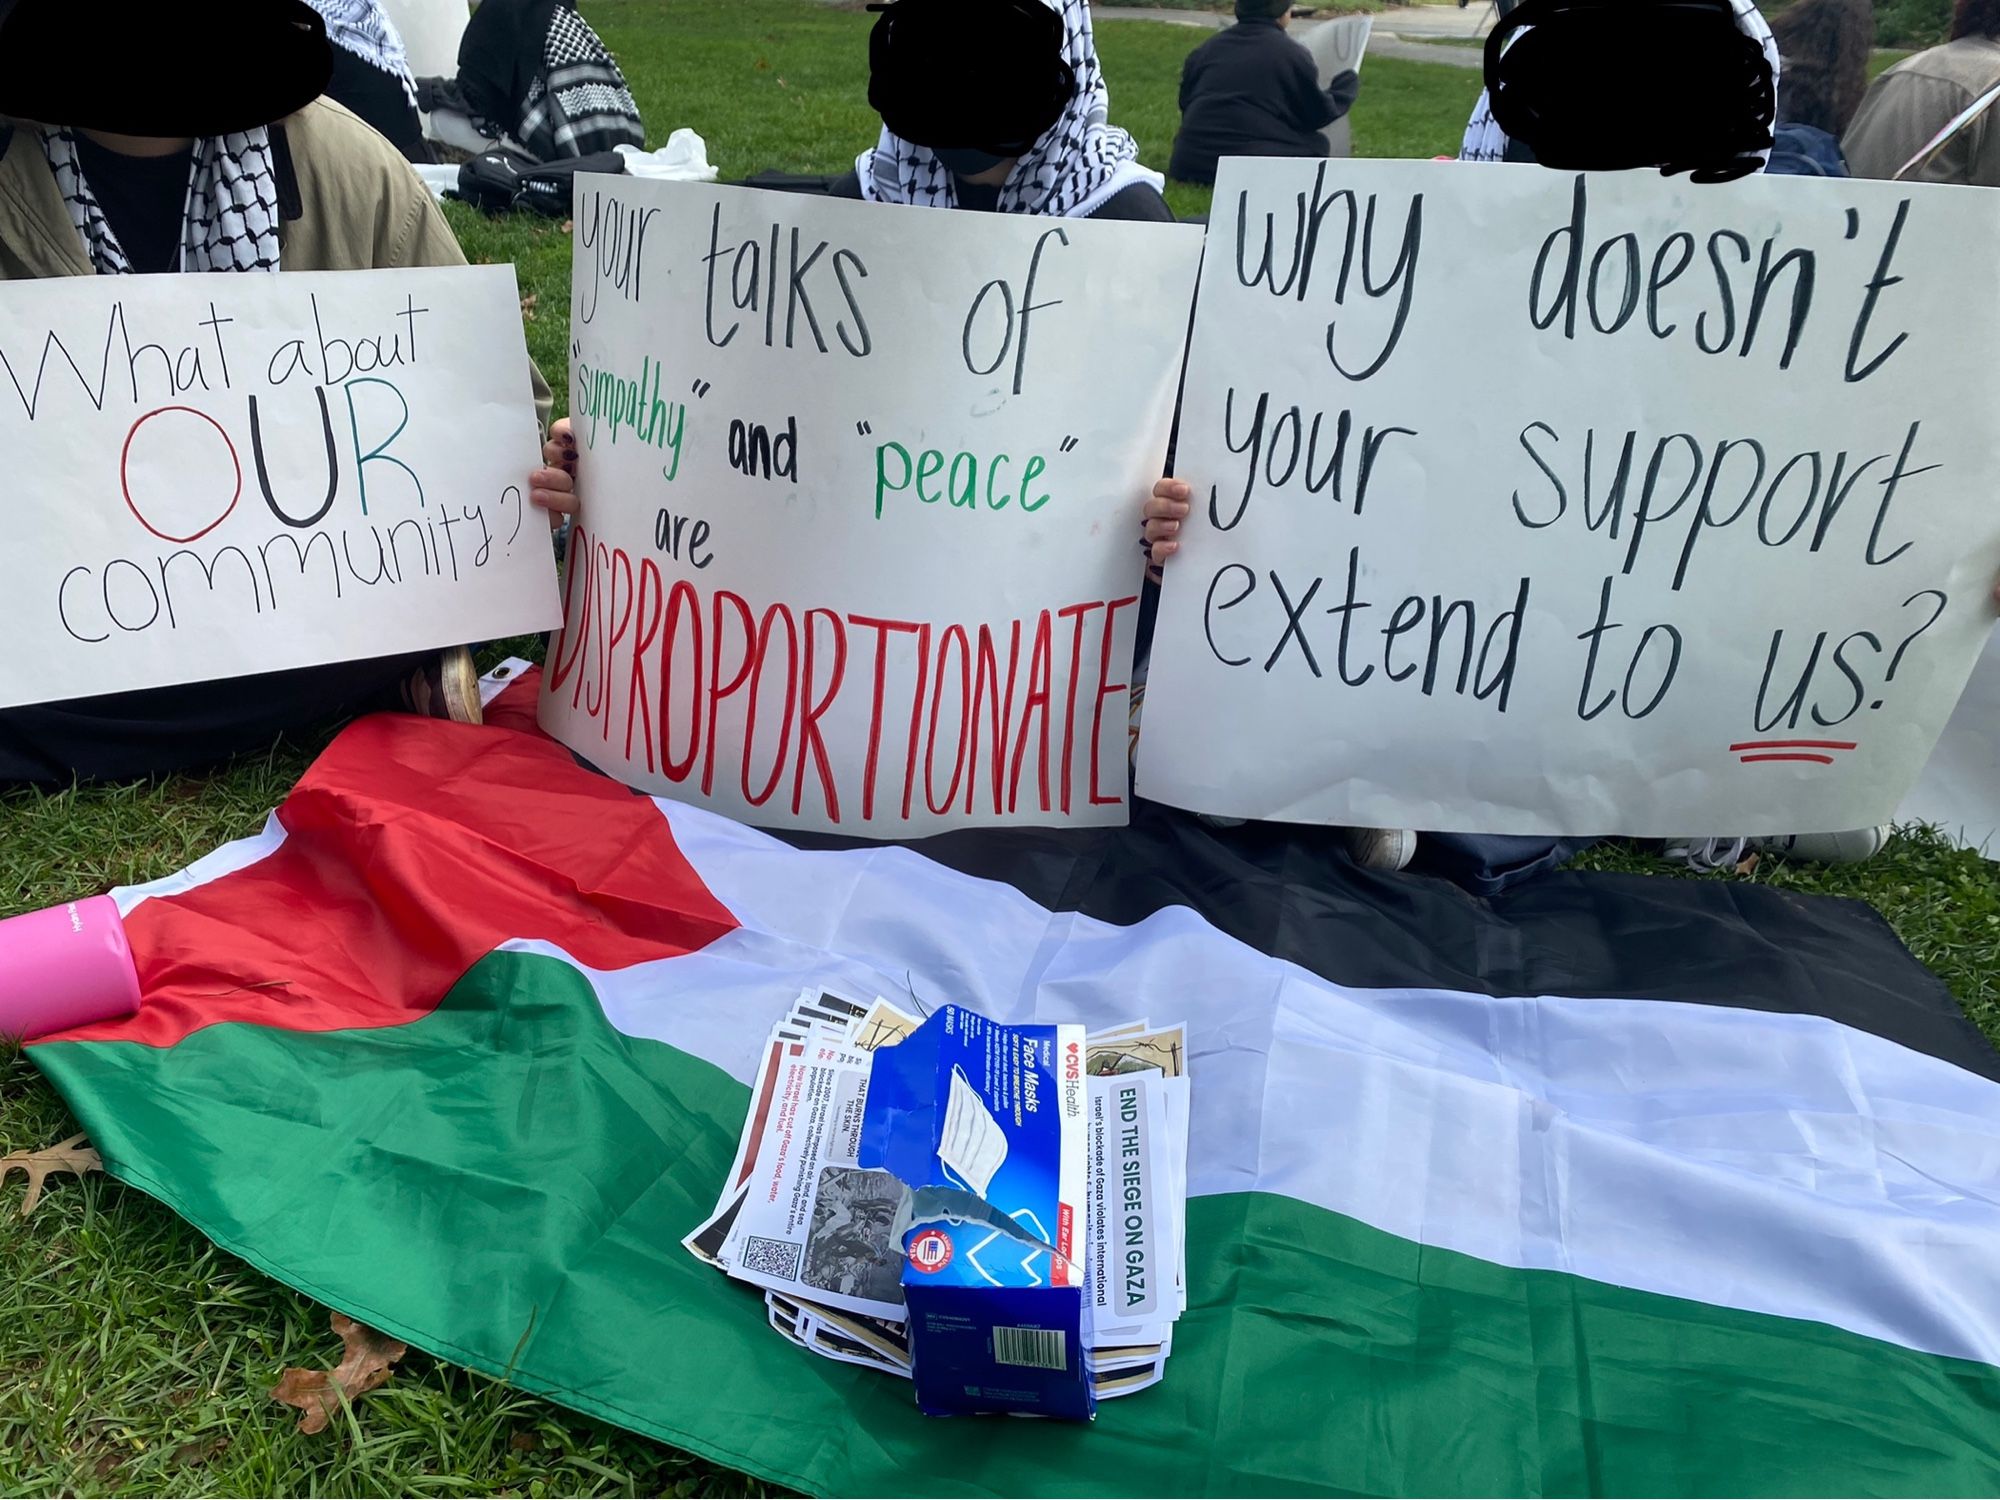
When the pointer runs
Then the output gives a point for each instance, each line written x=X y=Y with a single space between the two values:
x=379 y=99
x=125 y=736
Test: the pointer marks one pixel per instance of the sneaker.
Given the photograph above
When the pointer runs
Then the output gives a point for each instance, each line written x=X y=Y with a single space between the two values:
x=1849 y=848
x=1706 y=856
x=1381 y=848
x=445 y=687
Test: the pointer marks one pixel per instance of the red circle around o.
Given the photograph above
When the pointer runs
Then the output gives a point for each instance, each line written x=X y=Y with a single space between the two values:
x=125 y=486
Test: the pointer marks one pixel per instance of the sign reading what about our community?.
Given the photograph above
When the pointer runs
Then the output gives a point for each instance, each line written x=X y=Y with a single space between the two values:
x=859 y=542
x=213 y=476
x=1528 y=502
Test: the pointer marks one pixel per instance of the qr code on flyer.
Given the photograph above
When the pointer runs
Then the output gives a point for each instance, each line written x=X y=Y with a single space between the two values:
x=771 y=1257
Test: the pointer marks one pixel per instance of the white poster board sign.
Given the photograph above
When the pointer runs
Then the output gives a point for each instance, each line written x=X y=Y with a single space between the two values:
x=210 y=476
x=1530 y=503
x=1959 y=790
x=861 y=496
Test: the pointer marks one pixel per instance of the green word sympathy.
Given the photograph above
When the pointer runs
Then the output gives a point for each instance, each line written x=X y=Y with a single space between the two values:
x=960 y=480
x=602 y=397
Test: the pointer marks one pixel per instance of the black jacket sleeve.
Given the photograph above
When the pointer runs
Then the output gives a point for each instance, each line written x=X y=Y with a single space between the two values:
x=1189 y=71
x=1341 y=93
x=1312 y=108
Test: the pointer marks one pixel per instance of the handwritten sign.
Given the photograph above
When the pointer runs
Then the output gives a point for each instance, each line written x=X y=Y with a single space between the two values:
x=1535 y=503
x=861 y=485
x=209 y=476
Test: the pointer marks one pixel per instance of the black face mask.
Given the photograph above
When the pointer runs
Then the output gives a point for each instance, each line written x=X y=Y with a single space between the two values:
x=963 y=161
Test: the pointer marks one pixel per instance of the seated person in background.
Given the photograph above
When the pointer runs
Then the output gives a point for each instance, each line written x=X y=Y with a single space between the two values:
x=195 y=142
x=371 y=73
x=1823 y=49
x=534 y=76
x=1906 y=108
x=1000 y=106
x=1253 y=91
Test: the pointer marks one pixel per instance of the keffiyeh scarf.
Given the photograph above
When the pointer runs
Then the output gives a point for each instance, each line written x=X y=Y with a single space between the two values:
x=1072 y=171
x=231 y=219
x=579 y=105
x=1486 y=141
x=363 y=28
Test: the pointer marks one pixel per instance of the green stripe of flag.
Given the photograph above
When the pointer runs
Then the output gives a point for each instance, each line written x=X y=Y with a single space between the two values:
x=505 y=1183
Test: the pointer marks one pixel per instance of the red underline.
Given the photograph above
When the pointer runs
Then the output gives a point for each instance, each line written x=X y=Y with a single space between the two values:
x=1825 y=760
x=1794 y=745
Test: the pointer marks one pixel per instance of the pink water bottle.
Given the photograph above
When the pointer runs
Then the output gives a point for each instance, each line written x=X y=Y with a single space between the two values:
x=65 y=967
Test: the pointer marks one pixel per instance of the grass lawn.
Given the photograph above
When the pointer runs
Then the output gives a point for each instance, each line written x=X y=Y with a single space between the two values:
x=134 y=1358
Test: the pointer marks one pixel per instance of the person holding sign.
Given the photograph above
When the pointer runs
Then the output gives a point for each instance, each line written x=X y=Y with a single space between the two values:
x=1024 y=130
x=1000 y=106
x=197 y=142
x=1253 y=91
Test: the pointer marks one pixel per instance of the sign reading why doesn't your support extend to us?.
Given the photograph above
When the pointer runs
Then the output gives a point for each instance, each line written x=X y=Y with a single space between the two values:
x=1527 y=502
x=209 y=476
x=861 y=496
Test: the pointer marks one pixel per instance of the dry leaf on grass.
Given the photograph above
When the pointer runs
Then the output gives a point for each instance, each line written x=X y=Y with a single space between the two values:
x=66 y=1156
x=365 y=1361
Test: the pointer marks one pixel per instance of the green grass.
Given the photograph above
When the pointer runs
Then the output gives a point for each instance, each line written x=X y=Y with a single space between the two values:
x=134 y=1358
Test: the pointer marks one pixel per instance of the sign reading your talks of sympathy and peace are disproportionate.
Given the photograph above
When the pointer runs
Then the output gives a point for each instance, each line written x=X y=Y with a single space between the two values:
x=859 y=545
x=211 y=476
x=1534 y=503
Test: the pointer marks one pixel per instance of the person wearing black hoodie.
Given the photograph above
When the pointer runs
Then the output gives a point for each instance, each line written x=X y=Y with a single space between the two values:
x=1253 y=91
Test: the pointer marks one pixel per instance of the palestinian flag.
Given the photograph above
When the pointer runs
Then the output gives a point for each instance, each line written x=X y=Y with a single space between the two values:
x=1614 y=1186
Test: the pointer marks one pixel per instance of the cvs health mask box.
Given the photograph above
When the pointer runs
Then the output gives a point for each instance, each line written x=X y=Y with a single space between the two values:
x=986 y=1125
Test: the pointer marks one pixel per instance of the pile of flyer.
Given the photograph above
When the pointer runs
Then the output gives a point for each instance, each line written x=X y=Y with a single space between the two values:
x=823 y=1237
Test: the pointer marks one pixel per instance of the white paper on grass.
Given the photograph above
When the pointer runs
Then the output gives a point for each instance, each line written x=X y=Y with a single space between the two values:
x=1959 y=790
x=826 y=347
x=156 y=537
x=1241 y=720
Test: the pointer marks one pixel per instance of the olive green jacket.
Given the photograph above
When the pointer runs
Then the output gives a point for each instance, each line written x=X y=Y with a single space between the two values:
x=1914 y=100
x=360 y=207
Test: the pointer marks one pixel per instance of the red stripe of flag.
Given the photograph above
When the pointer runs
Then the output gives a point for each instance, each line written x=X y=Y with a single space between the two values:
x=413 y=849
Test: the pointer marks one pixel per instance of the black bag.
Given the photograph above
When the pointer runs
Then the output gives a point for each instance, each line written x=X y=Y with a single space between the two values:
x=550 y=187
x=490 y=180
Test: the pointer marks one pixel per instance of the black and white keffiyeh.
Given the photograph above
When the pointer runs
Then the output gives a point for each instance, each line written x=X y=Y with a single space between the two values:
x=1486 y=141
x=580 y=104
x=363 y=28
x=1072 y=171
x=231 y=219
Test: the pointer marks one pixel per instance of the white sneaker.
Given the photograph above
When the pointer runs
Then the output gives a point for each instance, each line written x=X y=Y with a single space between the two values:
x=1849 y=848
x=1381 y=848
x=1705 y=856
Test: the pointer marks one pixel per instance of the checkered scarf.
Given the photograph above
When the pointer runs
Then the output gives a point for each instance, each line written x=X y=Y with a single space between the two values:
x=363 y=28
x=231 y=219
x=1071 y=172
x=579 y=104
x=1486 y=141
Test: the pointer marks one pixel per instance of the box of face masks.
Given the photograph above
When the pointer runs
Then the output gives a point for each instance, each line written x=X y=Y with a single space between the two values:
x=986 y=1125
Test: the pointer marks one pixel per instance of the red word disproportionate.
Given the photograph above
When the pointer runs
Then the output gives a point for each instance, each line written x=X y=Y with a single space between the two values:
x=857 y=718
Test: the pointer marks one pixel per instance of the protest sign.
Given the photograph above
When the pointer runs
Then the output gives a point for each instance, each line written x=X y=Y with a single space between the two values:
x=210 y=476
x=1527 y=502
x=861 y=494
